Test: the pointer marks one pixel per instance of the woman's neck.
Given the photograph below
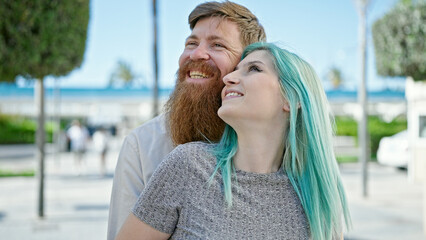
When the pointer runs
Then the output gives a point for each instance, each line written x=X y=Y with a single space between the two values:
x=260 y=150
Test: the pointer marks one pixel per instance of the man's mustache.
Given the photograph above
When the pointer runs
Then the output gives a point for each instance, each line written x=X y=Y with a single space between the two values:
x=202 y=66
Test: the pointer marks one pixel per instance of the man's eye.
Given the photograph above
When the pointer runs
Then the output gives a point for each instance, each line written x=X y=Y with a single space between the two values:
x=218 y=45
x=191 y=44
x=254 y=68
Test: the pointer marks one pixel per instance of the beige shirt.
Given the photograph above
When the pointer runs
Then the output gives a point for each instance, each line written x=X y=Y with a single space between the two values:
x=141 y=153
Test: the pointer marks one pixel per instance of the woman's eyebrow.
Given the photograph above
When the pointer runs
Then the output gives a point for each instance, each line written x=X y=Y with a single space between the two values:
x=249 y=63
x=254 y=62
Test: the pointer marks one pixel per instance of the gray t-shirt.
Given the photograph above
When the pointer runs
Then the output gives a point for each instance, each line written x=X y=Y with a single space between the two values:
x=178 y=200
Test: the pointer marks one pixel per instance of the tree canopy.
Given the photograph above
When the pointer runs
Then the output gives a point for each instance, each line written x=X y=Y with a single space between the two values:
x=399 y=41
x=37 y=39
x=41 y=38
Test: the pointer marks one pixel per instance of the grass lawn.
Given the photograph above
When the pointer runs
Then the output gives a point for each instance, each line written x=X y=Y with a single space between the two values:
x=24 y=173
x=346 y=159
x=352 y=159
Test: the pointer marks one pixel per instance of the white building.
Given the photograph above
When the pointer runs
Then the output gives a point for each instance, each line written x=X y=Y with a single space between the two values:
x=416 y=118
x=128 y=108
x=98 y=106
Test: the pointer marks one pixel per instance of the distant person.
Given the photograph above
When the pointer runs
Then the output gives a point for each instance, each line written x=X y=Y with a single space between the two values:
x=273 y=175
x=79 y=136
x=100 y=142
x=220 y=31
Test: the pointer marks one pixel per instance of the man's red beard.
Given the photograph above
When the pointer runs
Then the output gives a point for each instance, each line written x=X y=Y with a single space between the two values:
x=192 y=107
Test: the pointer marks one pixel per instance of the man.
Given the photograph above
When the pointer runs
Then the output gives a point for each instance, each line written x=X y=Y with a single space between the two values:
x=78 y=136
x=220 y=31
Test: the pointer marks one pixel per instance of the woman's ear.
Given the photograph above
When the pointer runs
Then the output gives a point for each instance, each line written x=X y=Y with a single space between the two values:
x=286 y=106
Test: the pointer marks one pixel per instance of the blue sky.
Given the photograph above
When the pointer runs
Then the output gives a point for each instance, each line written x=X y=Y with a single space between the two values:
x=325 y=33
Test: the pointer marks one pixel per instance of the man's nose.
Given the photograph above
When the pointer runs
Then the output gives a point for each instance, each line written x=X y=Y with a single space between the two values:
x=200 y=53
x=231 y=78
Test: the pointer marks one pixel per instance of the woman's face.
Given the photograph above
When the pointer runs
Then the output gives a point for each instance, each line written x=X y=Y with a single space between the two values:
x=252 y=91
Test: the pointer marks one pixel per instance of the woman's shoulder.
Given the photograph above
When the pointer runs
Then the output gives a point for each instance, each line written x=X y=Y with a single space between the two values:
x=195 y=148
x=192 y=154
x=184 y=161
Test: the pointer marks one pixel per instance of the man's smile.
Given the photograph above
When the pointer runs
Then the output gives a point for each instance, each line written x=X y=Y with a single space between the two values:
x=198 y=75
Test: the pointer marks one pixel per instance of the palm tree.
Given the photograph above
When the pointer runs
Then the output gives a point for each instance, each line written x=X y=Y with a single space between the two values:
x=335 y=77
x=123 y=76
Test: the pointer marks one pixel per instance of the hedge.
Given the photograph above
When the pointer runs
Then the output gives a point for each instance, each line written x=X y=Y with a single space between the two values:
x=377 y=129
x=20 y=130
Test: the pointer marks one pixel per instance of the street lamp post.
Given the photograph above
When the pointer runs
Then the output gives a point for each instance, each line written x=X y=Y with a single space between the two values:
x=155 y=53
x=362 y=95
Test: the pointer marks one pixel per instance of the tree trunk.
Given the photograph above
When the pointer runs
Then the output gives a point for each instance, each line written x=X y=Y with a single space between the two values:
x=40 y=139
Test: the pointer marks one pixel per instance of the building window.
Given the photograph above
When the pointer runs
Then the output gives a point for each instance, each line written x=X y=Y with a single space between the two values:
x=422 y=126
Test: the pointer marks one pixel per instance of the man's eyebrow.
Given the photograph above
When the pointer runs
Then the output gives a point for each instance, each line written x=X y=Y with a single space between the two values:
x=192 y=36
x=210 y=38
x=215 y=37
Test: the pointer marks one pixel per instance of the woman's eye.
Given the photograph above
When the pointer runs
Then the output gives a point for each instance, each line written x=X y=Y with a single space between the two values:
x=218 y=45
x=254 y=68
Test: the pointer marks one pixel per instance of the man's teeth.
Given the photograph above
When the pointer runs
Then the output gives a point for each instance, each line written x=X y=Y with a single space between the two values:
x=196 y=74
x=233 y=94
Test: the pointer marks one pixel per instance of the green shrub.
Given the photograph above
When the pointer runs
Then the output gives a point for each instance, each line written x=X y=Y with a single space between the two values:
x=346 y=126
x=377 y=128
x=20 y=130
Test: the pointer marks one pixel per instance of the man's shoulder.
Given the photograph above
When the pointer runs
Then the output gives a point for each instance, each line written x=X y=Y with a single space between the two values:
x=152 y=130
x=151 y=139
x=146 y=146
x=156 y=124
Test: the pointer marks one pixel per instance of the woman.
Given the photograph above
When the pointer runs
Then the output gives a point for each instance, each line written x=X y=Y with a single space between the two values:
x=273 y=175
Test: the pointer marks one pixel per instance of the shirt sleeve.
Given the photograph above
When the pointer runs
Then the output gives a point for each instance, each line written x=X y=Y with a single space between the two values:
x=127 y=185
x=161 y=201
x=141 y=153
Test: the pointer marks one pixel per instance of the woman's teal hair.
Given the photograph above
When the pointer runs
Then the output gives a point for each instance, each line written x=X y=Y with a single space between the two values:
x=309 y=160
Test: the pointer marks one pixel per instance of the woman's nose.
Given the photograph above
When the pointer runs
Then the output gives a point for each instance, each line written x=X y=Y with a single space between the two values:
x=231 y=78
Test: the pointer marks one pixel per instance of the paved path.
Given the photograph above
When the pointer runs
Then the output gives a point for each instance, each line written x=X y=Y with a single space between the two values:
x=76 y=206
x=393 y=208
x=76 y=202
